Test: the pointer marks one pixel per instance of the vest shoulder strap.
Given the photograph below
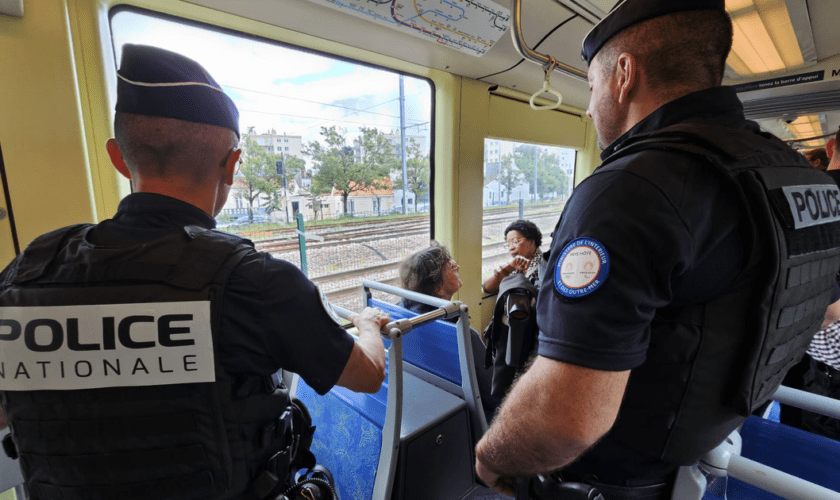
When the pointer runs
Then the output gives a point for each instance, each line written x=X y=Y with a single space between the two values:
x=40 y=254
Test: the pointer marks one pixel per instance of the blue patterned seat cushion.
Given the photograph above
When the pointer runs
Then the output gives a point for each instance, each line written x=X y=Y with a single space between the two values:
x=348 y=436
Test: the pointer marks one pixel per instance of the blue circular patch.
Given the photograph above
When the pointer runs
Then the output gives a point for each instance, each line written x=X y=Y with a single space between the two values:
x=581 y=268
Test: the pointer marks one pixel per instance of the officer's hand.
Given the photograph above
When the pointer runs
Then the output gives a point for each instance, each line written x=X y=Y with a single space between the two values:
x=520 y=263
x=371 y=314
x=501 y=484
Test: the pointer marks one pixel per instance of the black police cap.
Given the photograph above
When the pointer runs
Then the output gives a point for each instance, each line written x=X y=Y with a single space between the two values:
x=629 y=12
x=156 y=82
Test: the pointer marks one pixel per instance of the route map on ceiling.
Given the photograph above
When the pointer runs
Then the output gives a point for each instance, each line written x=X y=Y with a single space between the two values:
x=471 y=26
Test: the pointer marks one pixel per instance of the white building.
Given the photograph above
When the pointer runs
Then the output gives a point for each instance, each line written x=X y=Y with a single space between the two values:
x=275 y=143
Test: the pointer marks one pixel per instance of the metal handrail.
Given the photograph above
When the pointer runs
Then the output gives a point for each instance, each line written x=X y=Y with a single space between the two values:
x=533 y=56
x=808 y=401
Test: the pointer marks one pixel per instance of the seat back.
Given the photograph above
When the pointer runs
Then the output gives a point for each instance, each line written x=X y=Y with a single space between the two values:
x=359 y=436
x=808 y=456
x=432 y=347
x=348 y=437
x=792 y=462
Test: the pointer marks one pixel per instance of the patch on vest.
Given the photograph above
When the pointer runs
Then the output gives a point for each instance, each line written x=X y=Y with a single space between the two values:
x=108 y=345
x=328 y=307
x=581 y=268
x=812 y=205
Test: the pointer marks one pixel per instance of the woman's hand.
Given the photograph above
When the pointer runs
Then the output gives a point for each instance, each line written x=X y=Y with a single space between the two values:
x=519 y=263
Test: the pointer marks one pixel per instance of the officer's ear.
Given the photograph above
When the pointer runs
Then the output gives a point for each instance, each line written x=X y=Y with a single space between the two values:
x=232 y=165
x=829 y=147
x=116 y=158
x=626 y=76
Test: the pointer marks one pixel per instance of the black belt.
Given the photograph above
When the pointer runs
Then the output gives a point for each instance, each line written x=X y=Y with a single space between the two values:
x=549 y=487
x=661 y=491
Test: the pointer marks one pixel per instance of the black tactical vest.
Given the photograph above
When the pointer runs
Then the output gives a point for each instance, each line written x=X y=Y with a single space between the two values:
x=710 y=365
x=205 y=440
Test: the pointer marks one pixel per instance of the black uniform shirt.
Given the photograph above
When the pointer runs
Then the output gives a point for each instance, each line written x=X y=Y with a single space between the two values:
x=668 y=227
x=273 y=316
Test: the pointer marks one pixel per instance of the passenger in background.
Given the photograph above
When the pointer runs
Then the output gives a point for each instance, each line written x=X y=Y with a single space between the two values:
x=818 y=158
x=522 y=239
x=201 y=321
x=433 y=271
x=832 y=150
x=661 y=275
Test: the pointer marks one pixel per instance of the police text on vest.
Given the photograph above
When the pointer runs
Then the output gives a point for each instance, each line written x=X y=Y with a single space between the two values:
x=113 y=345
x=814 y=204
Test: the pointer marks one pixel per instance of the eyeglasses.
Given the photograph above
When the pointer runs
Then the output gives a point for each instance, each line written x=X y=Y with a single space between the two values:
x=514 y=242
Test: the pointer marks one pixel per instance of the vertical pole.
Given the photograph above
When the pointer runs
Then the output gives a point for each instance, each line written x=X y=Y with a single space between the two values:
x=501 y=167
x=285 y=189
x=521 y=207
x=402 y=146
x=536 y=157
x=302 y=243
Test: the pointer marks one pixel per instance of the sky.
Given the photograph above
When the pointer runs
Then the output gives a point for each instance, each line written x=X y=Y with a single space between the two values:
x=291 y=91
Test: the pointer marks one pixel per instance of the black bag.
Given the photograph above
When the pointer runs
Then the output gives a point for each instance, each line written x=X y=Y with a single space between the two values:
x=511 y=335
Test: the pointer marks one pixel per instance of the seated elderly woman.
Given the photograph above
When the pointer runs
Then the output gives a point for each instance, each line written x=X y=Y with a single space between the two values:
x=523 y=239
x=431 y=271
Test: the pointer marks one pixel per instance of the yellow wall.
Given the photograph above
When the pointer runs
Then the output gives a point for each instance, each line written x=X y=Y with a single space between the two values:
x=41 y=130
x=57 y=108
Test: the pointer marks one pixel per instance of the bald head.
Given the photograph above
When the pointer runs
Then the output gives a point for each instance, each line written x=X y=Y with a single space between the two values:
x=679 y=53
x=166 y=148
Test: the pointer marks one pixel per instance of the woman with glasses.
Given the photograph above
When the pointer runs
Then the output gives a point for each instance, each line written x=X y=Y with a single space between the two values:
x=523 y=239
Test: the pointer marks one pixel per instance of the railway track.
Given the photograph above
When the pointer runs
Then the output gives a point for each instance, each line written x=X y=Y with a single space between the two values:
x=325 y=236
x=340 y=254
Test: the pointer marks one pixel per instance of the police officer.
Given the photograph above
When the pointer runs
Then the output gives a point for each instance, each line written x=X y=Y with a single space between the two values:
x=675 y=299
x=138 y=353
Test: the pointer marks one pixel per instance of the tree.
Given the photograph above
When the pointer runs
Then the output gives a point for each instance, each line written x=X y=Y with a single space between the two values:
x=523 y=157
x=550 y=178
x=258 y=174
x=337 y=166
x=418 y=171
x=509 y=177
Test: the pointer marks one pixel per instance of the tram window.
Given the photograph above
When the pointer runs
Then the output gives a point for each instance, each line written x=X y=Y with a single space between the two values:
x=332 y=116
x=510 y=171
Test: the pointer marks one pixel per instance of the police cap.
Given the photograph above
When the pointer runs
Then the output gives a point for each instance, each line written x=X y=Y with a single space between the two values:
x=157 y=82
x=626 y=13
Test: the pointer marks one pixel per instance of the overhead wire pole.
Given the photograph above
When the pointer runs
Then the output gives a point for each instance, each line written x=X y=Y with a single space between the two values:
x=402 y=146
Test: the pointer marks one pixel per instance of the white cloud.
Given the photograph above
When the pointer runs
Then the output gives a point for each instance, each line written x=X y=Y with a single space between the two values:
x=284 y=89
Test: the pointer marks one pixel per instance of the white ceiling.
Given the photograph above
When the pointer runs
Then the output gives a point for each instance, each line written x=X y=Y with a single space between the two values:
x=539 y=17
x=501 y=65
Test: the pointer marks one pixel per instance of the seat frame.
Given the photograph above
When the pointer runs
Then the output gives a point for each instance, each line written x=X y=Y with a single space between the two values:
x=726 y=460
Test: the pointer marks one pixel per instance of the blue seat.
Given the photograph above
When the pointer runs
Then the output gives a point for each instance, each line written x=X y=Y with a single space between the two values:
x=348 y=435
x=432 y=347
x=799 y=453
x=802 y=454
x=355 y=431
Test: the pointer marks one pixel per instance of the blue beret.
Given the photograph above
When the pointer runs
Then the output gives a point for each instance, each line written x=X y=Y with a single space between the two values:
x=629 y=12
x=157 y=82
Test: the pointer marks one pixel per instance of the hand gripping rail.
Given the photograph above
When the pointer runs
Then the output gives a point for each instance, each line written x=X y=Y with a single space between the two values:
x=726 y=460
x=394 y=331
